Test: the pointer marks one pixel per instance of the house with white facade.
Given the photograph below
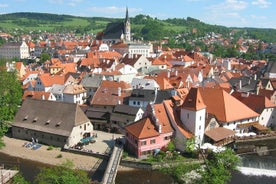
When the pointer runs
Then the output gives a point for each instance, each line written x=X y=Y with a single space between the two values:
x=261 y=105
x=18 y=50
x=74 y=93
x=193 y=113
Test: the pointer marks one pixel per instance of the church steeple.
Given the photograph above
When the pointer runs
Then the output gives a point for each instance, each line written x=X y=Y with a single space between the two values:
x=127 y=27
x=126 y=18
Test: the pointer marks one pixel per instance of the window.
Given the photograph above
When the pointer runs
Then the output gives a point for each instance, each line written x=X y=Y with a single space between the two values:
x=152 y=141
x=134 y=102
x=143 y=143
x=138 y=103
x=199 y=127
x=188 y=116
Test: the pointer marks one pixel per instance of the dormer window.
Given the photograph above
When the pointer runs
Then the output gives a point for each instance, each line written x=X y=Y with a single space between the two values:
x=25 y=118
x=47 y=122
x=58 y=124
x=35 y=119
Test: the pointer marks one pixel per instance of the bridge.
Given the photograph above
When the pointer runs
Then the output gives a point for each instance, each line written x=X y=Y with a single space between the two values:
x=6 y=175
x=113 y=163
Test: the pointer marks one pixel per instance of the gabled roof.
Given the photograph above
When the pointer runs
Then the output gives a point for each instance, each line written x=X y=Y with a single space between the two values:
x=110 y=93
x=143 y=95
x=131 y=60
x=225 y=107
x=142 y=129
x=126 y=109
x=49 y=116
x=38 y=95
x=194 y=100
x=163 y=120
x=256 y=102
x=91 y=80
x=48 y=80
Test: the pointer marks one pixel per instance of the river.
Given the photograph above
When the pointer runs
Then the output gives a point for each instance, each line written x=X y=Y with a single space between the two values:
x=262 y=162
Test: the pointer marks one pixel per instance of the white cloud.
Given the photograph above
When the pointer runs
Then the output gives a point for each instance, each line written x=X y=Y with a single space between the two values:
x=114 y=10
x=4 y=5
x=56 y=1
x=231 y=5
x=261 y=3
x=258 y=17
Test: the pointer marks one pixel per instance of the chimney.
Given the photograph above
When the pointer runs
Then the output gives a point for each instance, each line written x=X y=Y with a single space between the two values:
x=240 y=84
x=255 y=77
x=119 y=91
x=168 y=74
x=176 y=72
x=42 y=97
x=160 y=129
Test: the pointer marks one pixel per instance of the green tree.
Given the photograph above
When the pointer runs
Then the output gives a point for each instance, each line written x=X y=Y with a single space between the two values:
x=153 y=30
x=44 y=57
x=19 y=179
x=10 y=98
x=219 y=167
x=63 y=174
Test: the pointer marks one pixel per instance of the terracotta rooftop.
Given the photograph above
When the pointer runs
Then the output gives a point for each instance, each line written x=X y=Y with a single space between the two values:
x=225 y=107
x=194 y=100
x=142 y=129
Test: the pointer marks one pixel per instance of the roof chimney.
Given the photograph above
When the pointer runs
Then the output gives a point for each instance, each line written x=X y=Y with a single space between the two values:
x=240 y=84
x=168 y=74
x=119 y=91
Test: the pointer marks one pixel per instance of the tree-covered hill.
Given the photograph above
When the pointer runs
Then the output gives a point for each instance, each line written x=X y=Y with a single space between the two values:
x=143 y=26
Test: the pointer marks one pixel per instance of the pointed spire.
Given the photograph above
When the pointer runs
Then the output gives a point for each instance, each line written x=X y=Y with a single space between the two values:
x=127 y=18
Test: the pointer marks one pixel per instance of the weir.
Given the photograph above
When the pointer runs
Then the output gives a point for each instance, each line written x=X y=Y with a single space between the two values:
x=258 y=166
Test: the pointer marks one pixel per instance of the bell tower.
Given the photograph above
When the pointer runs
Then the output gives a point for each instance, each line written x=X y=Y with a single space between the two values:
x=127 y=27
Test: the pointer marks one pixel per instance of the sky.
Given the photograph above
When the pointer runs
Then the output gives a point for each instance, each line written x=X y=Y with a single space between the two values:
x=230 y=13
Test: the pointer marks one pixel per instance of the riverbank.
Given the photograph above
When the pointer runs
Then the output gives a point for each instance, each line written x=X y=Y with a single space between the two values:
x=15 y=148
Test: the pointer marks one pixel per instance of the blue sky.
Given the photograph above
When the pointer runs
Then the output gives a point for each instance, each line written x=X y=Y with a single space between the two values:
x=238 y=13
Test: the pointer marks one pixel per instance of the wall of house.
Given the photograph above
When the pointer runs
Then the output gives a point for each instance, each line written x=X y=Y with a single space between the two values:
x=138 y=103
x=142 y=62
x=233 y=125
x=78 y=133
x=41 y=137
x=39 y=86
x=267 y=117
x=194 y=121
x=75 y=98
x=24 y=51
x=147 y=146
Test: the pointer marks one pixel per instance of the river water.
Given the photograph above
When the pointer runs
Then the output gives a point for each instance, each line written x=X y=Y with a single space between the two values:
x=257 y=168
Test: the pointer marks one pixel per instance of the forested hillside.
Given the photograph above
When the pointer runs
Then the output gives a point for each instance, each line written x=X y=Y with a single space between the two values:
x=143 y=26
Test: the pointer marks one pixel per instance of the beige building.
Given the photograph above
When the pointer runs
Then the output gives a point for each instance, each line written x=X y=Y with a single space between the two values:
x=11 y=50
x=52 y=123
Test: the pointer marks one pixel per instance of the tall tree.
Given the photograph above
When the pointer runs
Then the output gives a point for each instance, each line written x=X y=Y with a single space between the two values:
x=10 y=98
x=63 y=174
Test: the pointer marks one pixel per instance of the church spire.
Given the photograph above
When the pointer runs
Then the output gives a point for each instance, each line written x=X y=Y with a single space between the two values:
x=127 y=27
x=127 y=18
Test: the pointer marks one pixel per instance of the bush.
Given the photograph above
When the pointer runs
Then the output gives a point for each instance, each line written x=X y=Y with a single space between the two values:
x=50 y=148
x=59 y=156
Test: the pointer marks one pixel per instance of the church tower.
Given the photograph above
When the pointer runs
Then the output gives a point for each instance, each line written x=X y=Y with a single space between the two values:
x=193 y=113
x=127 y=27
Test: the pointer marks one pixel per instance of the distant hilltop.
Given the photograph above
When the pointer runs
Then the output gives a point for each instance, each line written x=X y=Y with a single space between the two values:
x=170 y=28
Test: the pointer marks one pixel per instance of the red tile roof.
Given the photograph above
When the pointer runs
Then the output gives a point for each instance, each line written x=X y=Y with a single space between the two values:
x=194 y=100
x=225 y=107
x=142 y=129
x=48 y=80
